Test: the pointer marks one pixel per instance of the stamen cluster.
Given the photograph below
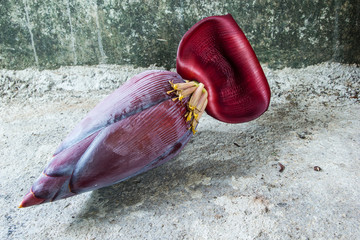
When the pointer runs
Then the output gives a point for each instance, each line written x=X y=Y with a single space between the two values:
x=197 y=103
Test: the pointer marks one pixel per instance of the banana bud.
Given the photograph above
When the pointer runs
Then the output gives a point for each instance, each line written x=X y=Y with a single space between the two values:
x=138 y=127
x=150 y=118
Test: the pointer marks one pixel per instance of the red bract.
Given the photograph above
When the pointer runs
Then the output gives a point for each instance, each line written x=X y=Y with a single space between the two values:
x=216 y=53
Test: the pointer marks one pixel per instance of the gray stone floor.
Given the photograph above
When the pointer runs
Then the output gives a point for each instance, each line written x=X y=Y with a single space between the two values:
x=226 y=183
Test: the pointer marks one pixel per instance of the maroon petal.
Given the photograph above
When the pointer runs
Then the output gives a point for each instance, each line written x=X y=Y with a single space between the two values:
x=216 y=52
x=131 y=146
x=140 y=92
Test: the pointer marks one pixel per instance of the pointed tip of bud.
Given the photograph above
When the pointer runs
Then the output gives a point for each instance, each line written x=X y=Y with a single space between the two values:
x=30 y=200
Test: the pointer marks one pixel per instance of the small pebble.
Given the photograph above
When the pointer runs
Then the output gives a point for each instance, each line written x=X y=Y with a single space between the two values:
x=282 y=167
x=317 y=168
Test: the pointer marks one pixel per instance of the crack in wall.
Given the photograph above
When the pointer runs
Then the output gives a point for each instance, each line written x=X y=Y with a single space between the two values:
x=28 y=24
x=336 y=41
x=98 y=28
x=73 y=39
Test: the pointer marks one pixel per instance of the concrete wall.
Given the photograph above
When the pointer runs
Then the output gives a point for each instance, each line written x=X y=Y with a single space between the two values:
x=52 y=33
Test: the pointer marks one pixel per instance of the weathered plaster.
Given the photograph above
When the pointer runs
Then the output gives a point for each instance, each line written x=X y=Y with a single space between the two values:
x=49 y=33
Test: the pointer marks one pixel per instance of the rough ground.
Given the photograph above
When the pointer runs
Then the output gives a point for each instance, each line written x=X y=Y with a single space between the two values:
x=225 y=184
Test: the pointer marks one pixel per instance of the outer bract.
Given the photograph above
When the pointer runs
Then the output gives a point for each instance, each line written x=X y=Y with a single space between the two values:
x=216 y=53
x=134 y=129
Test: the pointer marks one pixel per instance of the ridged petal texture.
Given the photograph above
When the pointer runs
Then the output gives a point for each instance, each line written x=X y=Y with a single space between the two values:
x=216 y=53
x=134 y=129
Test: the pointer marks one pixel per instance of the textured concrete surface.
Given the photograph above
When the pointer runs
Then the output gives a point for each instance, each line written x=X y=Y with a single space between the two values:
x=226 y=183
x=50 y=33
